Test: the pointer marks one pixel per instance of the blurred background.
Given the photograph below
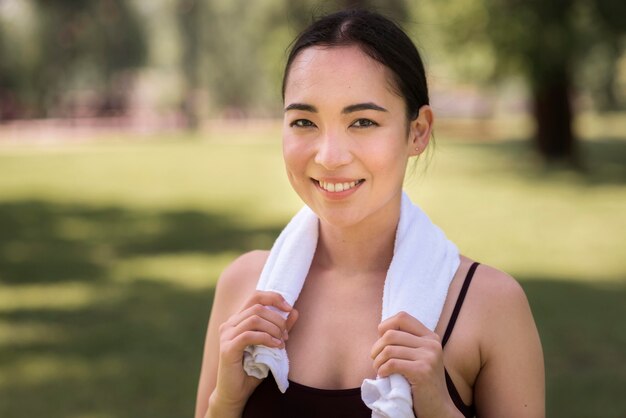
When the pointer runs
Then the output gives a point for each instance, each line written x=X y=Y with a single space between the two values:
x=140 y=154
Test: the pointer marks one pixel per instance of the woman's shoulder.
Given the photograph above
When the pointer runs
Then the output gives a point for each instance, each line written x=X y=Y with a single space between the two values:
x=494 y=293
x=510 y=378
x=244 y=267
x=490 y=287
x=496 y=285
x=244 y=271
x=239 y=279
x=499 y=306
x=493 y=301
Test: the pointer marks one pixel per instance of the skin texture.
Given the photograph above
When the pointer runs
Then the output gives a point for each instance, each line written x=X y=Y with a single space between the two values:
x=335 y=132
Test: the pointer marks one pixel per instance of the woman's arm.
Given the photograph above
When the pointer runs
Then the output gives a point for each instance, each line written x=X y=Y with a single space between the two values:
x=239 y=318
x=511 y=381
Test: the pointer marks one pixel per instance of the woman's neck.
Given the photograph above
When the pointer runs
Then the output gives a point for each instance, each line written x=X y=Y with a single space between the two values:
x=359 y=249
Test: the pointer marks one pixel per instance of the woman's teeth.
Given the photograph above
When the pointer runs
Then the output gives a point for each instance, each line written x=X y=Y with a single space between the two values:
x=338 y=187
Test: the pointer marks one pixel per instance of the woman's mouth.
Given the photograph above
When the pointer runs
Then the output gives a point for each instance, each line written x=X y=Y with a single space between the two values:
x=336 y=187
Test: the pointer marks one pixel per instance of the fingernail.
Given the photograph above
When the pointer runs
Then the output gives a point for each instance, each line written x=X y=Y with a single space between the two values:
x=277 y=341
x=285 y=335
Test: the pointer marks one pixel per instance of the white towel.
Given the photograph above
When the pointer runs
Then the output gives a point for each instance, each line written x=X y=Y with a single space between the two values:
x=423 y=265
x=284 y=272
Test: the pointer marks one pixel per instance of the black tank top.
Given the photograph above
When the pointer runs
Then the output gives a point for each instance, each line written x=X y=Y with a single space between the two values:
x=301 y=401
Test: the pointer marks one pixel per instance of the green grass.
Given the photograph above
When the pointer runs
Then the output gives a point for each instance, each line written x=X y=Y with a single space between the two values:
x=109 y=252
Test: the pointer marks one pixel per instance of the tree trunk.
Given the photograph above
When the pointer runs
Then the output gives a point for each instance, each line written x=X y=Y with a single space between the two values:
x=552 y=108
x=354 y=3
x=189 y=25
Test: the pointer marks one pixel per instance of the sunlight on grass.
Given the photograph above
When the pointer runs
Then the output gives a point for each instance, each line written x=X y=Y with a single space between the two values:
x=31 y=332
x=547 y=227
x=66 y=296
x=165 y=174
x=192 y=270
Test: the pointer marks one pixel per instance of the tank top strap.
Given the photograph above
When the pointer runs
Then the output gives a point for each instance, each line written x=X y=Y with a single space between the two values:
x=459 y=303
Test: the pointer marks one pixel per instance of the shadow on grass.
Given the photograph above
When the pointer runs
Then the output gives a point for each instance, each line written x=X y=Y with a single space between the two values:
x=604 y=160
x=584 y=341
x=47 y=242
x=136 y=356
x=134 y=350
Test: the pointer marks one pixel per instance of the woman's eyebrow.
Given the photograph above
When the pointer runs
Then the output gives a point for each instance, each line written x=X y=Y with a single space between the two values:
x=301 y=106
x=348 y=109
x=363 y=106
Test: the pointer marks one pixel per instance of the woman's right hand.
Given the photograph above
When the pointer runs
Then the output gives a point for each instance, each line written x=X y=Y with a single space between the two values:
x=255 y=324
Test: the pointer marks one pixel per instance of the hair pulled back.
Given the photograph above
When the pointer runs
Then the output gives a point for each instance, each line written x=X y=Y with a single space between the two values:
x=380 y=39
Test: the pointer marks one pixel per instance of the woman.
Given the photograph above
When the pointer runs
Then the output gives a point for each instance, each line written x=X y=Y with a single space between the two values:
x=356 y=111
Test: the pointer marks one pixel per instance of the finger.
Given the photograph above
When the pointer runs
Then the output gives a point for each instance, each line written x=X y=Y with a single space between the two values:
x=247 y=338
x=291 y=320
x=260 y=311
x=394 y=352
x=395 y=337
x=404 y=322
x=269 y=299
x=256 y=323
x=393 y=366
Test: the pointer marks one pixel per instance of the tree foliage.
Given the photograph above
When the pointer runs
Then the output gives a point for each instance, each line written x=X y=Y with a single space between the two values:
x=76 y=44
x=549 y=43
x=227 y=56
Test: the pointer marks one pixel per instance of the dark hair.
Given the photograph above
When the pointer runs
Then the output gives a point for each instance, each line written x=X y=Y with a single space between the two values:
x=379 y=38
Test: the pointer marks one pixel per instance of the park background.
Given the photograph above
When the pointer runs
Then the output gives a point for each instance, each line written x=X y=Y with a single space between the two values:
x=140 y=154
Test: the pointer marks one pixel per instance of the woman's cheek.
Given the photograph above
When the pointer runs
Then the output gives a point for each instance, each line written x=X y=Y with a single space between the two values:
x=296 y=149
x=295 y=159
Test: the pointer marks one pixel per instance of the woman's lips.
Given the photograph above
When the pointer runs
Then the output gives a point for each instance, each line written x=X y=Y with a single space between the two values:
x=337 y=186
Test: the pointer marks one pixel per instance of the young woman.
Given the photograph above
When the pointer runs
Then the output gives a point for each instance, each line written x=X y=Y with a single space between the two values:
x=356 y=111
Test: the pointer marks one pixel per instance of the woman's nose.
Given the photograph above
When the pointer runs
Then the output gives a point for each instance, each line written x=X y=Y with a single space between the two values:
x=333 y=151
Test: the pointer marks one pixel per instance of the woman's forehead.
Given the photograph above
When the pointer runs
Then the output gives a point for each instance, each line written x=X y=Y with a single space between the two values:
x=346 y=70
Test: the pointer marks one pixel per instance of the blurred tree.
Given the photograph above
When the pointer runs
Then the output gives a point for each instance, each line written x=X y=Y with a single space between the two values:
x=190 y=14
x=84 y=44
x=235 y=36
x=8 y=82
x=548 y=43
x=16 y=59
x=606 y=44
x=395 y=9
x=89 y=43
x=302 y=11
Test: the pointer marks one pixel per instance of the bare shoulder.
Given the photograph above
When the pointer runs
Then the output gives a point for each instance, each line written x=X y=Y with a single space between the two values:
x=244 y=268
x=511 y=378
x=497 y=289
x=239 y=278
x=499 y=304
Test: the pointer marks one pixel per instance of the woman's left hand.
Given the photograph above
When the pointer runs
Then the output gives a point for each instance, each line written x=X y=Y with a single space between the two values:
x=408 y=348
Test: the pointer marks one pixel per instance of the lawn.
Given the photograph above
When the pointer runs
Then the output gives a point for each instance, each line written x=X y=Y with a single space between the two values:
x=110 y=250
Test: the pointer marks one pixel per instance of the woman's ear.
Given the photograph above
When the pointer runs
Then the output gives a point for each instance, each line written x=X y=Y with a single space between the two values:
x=420 y=130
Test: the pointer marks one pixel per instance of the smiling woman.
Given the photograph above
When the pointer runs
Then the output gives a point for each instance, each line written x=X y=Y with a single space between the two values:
x=356 y=111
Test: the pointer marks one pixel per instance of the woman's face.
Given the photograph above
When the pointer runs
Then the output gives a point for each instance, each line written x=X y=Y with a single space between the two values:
x=345 y=137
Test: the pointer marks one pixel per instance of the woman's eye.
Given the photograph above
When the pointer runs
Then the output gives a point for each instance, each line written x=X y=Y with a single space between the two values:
x=364 y=123
x=301 y=123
